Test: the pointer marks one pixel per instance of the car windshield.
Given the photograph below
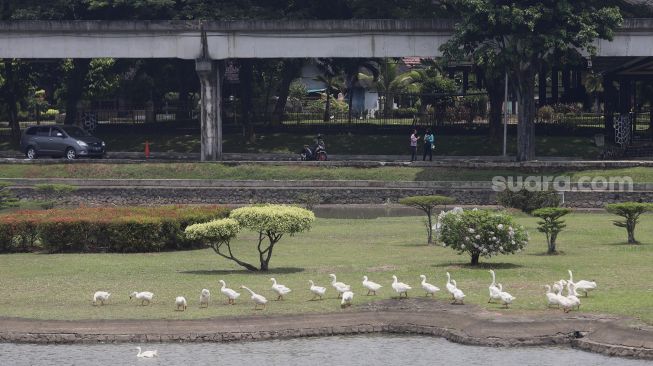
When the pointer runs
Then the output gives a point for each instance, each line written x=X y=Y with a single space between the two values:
x=73 y=131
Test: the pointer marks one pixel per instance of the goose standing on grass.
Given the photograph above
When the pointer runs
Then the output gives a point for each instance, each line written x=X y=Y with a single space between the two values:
x=145 y=297
x=258 y=299
x=100 y=296
x=318 y=291
x=551 y=298
x=339 y=286
x=400 y=287
x=229 y=293
x=347 y=298
x=506 y=298
x=572 y=295
x=429 y=288
x=146 y=354
x=458 y=295
x=372 y=287
x=559 y=286
x=181 y=303
x=205 y=297
x=582 y=285
x=280 y=289
x=450 y=286
x=494 y=290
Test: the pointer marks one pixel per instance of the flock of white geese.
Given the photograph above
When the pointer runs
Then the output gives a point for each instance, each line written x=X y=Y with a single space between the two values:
x=554 y=294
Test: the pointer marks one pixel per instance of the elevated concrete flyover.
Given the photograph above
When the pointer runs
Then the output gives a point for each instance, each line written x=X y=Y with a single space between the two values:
x=209 y=41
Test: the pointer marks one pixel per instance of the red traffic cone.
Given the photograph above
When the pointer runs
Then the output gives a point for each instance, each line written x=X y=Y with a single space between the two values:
x=147 y=149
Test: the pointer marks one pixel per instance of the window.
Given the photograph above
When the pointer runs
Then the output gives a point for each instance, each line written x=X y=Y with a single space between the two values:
x=43 y=131
x=31 y=131
x=55 y=131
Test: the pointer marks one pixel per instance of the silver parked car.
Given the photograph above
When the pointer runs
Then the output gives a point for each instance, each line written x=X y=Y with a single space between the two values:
x=59 y=140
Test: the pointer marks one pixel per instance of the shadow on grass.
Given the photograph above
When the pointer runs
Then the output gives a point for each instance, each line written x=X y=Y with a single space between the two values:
x=628 y=245
x=281 y=270
x=479 y=266
x=545 y=254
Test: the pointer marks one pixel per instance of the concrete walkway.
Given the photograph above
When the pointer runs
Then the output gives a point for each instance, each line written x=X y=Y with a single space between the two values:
x=465 y=324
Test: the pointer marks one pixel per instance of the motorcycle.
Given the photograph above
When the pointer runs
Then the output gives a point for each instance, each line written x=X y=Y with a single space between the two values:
x=314 y=153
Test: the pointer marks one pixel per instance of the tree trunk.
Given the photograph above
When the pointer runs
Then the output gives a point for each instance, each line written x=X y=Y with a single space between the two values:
x=430 y=228
x=290 y=71
x=495 y=90
x=524 y=86
x=75 y=88
x=9 y=94
x=552 y=244
x=630 y=227
x=327 y=105
x=475 y=256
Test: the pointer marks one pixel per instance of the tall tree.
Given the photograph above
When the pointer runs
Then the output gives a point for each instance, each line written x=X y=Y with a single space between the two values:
x=520 y=35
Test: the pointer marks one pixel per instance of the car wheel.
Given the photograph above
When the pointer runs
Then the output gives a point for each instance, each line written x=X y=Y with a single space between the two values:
x=30 y=153
x=322 y=156
x=70 y=153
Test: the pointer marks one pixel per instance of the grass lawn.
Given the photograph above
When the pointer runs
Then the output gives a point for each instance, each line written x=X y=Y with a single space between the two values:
x=449 y=145
x=61 y=286
x=295 y=172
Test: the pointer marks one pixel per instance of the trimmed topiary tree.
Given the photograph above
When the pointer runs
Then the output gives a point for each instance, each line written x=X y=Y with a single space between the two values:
x=272 y=222
x=528 y=200
x=630 y=211
x=551 y=224
x=481 y=233
x=427 y=204
x=218 y=235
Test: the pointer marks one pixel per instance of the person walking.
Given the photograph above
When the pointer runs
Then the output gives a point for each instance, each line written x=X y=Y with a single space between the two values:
x=428 y=145
x=413 y=145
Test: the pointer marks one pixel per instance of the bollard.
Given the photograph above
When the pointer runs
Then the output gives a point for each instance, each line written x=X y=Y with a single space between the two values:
x=147 y=149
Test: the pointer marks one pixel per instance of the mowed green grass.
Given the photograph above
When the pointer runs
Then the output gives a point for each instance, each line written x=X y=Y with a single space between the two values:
x=290 y=172
x=61 y=286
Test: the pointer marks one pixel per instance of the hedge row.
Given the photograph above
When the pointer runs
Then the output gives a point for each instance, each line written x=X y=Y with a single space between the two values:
x=119 y=229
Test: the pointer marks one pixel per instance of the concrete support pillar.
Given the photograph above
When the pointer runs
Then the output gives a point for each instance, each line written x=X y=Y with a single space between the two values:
x=609 y=107
x=211 y=106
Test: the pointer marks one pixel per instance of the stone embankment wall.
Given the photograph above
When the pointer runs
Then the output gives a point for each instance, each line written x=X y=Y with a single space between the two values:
x=154 y=192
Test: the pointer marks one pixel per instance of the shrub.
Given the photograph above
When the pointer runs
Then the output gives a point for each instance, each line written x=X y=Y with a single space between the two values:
x=481 y=233
x=118 y=229
x=272 y=222
x=528 y=200
x=545 y=113
x=427 y=204
x=551 y=225
x=51 y=113
x=630 y=211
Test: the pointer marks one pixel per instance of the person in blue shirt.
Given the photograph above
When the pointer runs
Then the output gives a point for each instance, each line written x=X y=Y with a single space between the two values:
x=428 y=145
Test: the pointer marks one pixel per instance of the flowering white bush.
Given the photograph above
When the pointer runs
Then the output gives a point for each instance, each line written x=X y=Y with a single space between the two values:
x=480 y=233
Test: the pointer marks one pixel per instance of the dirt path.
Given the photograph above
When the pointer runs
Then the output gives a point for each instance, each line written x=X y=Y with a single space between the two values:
x=466 y=324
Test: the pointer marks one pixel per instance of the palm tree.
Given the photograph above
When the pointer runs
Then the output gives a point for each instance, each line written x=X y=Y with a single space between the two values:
x=331 y=78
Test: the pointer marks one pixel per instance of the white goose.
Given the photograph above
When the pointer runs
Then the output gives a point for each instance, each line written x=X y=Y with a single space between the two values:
x=551 y=298
x=181 y=303
x=572 y=295
x=258 y=299
x=458 y=295
x=146 y=354
x=347 y=298
x=450 y=287
x=505 y=297
x=494 y=290
x=582 y=285
x=339 y=286
x=429 y=288
x=144 y=296
x=229 y=293
x=280 y=289
x=318 y=291
x=400 y=287
x=205 y=297
x=100 y=296
x=559 y=286
x=372 y=287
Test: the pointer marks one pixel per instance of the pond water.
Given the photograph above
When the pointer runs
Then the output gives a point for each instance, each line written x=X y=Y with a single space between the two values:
x=352 y=350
